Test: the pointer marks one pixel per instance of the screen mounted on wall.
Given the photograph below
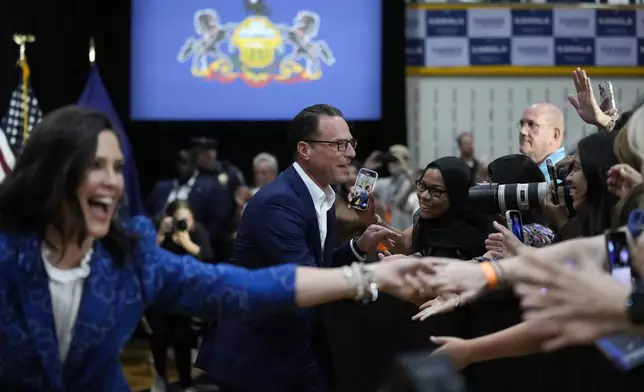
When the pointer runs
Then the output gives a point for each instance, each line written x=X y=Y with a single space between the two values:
x=202 y=60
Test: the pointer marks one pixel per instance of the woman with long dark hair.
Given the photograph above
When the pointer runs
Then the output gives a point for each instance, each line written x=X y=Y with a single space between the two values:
x=74 y=281
x=593 y=202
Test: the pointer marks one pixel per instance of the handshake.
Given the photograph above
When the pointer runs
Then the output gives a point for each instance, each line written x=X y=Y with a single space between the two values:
x=420 y=279
x=564 y=290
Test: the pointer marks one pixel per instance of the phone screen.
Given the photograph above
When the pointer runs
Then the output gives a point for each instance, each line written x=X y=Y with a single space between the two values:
x=626 y=351
x=619 y=257
x=553 y=178
x=606 y=90
x=365 y=183
x=515 y=223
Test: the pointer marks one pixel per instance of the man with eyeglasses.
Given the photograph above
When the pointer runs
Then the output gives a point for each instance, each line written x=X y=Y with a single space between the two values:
x=542 y=133
x=290 y=220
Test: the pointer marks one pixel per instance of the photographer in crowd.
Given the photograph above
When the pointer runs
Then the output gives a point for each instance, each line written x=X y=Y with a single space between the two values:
x=178 y=233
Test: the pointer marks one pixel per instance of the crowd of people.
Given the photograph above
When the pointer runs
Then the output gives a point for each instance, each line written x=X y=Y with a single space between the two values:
x=285 y=287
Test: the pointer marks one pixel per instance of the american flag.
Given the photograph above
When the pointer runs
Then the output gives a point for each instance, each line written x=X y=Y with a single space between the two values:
x=12 y=125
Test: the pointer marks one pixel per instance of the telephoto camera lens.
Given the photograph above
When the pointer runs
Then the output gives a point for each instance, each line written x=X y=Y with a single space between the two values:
x=495 y=198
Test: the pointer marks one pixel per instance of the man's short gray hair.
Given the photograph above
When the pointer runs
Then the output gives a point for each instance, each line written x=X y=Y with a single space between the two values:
x=266 y=157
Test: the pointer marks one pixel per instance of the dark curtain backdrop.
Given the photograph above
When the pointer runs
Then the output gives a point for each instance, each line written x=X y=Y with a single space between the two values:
x=59 y=63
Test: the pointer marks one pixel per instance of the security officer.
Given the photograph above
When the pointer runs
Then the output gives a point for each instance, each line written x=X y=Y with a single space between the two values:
x=204 y=153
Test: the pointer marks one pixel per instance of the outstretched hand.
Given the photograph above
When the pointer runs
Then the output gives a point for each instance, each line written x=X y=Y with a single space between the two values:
x=408 y=278
x=585 y=103
x=375 y=234
x=576 y=302
x=442 y=304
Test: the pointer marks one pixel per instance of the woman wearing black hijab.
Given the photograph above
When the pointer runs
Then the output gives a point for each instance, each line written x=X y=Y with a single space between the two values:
x=444 y=225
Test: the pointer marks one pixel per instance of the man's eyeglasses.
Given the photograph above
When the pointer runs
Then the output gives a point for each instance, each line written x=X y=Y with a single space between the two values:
x=531 y=124
x=341 y=145
x=433 y=191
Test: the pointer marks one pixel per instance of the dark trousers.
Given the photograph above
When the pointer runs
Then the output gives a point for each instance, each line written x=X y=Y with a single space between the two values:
x=309 y=379
x=170 y=330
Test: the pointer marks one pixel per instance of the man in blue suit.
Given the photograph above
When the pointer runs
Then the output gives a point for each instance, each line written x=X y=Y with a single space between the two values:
x=290 y=220
x=208 y=199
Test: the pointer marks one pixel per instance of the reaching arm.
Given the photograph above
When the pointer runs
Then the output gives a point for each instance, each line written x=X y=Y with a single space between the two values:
x=516 y=341
x=402 y=247
x=184 y=285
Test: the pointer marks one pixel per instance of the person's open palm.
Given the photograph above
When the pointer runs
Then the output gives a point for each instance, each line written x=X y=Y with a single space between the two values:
x=585 y=104
x=578 y=301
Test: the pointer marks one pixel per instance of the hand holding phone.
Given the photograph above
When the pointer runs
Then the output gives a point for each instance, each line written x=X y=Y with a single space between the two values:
x=514 y=223
x=626 y=351
x=553 y=178
x=607 y=96
x=365 y=184
x=619 y=257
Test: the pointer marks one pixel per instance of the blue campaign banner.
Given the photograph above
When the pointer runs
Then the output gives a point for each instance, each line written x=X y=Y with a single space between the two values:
x=490 y=51
x=531 y=23
x=266 y=60
x=446 y=23
x=477 y=38
x=574 y=51
x=415 y=51
x=615 y=23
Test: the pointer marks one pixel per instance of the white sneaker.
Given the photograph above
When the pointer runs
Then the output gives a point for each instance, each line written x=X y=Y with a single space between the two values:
x=190 y=389
x=158 y=385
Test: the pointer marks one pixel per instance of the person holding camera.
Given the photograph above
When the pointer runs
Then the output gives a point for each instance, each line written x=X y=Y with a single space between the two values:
x=178 y=233
x=181 y=234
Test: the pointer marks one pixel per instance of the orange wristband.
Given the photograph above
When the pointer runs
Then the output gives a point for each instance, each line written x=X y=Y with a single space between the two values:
x=490 y=275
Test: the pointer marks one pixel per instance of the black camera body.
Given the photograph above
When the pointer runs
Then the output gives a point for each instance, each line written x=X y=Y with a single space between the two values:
x=179 y=225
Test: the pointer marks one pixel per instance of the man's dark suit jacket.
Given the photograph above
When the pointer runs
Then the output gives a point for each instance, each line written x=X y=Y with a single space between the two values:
x=279 y=225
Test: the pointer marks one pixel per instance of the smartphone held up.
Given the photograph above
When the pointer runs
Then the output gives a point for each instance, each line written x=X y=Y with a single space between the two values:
x=607 y=94
x=365 y=184
x=514 y=223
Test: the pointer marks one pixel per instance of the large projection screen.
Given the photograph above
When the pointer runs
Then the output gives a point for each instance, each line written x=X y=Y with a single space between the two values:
x=211 y=60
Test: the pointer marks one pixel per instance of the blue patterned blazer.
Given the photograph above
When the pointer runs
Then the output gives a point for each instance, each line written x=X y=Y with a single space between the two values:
x=112 y=305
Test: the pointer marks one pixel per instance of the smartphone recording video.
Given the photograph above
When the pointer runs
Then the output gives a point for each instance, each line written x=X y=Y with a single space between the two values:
x=553 y=178
x=626 y=351
x=365 y=184
x=606 y=91
x=619 y=257
x=514 y=223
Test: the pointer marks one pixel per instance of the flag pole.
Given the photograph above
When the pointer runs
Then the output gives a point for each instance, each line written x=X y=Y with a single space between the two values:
x=22 y=40
x=92 y=51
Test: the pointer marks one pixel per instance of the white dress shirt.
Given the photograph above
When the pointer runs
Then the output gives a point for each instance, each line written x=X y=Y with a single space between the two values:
x=66 y=291
x=323 y=200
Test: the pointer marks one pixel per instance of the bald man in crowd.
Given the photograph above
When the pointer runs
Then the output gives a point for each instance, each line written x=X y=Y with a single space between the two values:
x=542 y=133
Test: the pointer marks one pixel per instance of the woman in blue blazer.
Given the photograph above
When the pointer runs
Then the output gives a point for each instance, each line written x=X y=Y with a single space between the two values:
x=74 y=281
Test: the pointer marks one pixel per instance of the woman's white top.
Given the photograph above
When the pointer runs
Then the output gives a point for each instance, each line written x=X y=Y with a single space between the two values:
x=66 y=291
